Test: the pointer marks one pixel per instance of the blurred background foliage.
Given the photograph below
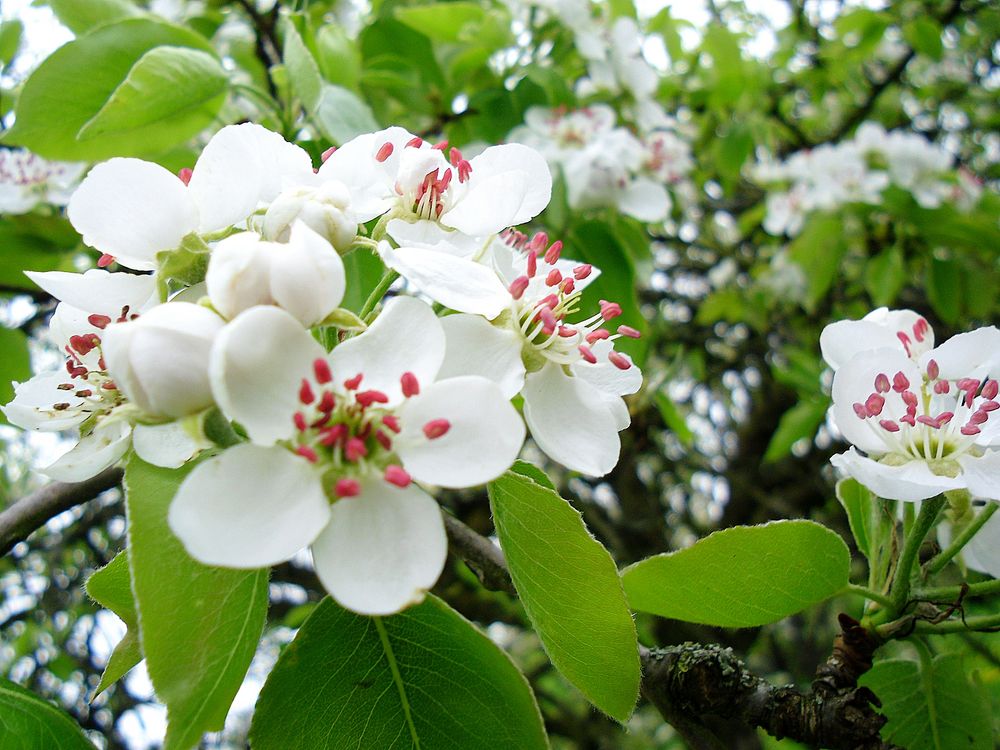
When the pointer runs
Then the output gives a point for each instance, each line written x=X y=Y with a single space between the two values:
x=731 y=425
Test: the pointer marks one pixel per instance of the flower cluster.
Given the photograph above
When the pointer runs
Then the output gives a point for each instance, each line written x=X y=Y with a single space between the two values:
x=858 y=170
x=605 y=165
x=27 y=181
x=210 y=348
x=924 y=418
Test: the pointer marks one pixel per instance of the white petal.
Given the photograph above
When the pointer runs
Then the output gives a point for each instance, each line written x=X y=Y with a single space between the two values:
x=509 y=185
x=911 y=481
x=982 y=475
x=371 y=182
x=570 y=421
x=431 y=235
x=405 y=337
x=605 y=376
x=307 y=276
x=249 y=507
x=483 y=440
x=132 y=209
x=645 y=200
x=242 y=166
x=31 y=407
x=97 y=291
x=258 y=362
x=982 y=553
x=974 y=354
x=93 y=454
x=456 y=283
x=169 y=445
x=475 y=347
x=840 y=341
x=383 y=549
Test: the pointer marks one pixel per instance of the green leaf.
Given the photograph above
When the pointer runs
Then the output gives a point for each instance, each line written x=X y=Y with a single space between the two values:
x=111 y=587
x=363 y=269
x=533 y=473
x=28 y=722
x=924 y=35
x=425 y=678
x=442 y=22
x=798 y=423
x=11 y=31
x=944 y=288
x=338 y=57
x=74 y=83
x=199 y=626
x=743 y=576
x=303 y=73
x=15 y=363
x=571 y=591
x=170 y=88
x=81 y=17
x=885 y=275
x=818 y=251
x=673 y=418
x=187 y=264
x=872 y=523
x=931 y=705
x=341 y=115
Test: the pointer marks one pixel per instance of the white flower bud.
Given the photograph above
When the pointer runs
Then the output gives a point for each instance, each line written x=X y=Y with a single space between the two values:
x=305 y=275
x=160 y=359
x=324 y=209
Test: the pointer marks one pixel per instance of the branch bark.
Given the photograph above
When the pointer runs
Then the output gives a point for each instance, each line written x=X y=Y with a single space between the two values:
x=32 y=511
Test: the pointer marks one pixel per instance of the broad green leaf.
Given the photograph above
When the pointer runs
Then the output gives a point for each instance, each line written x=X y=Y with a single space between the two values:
x=533 y=473
x=571 y=591
x=111 y=587
x=341 y=114
x=425 y=679
x=885 y=275
x=74 y=83
x=11 y=31
x=338 y=56
x=15 y=363
x=799 y=422
x=931 y=705
x=32 y=242
x=199 y=626
x=924 y=35
x=673 y=418
x=171 y=89
x=303 y=73
x=363 y=269
x=743 y=576
x=80 y=16
x=818 y=250
x=28 y=722
x=442 y=22
x=944 y=288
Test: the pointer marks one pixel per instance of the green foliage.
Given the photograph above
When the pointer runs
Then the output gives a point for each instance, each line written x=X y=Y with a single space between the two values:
x=931 y=704
x=15 y=363
x=743 y=576
x=798 y=423
x=77 y=104
x=819 y=250
x=11 y=32
x=425 y=678
x=29 y=723
x=571 y=591
x=199 y=626
x=111 y=587
x=873 y=526
x=81 y=17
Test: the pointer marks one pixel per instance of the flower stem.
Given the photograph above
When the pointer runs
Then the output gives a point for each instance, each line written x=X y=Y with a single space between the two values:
x=377 y=293
x=952 y=593
x=983 y=622
x=853 y=588
x=936 y=565
x=929 y=511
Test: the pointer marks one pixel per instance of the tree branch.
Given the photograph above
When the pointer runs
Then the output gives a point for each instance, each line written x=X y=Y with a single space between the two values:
x=31 y=512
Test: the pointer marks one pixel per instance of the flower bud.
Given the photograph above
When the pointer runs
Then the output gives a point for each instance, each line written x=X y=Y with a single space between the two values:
x=305 y=275
x=160 y=359
x=324 y=209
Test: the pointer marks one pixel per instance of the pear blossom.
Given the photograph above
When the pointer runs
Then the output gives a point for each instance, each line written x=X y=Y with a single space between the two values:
x=925 y=422
x=337 y=445
x=394 y=170
x=83 y=394
x=303 y=275
x=324 y=208
x=880 y=329
x=131 y=209
x=27 y=180
x=569 y=374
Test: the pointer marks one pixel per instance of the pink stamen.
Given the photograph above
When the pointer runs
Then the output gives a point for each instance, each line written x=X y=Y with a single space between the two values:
x=397 y=475
x=905 y=341
x=909 y=398
x=567 y=332
x=347 y=488
x=436 y=428
x=352 y=384
x=307 y=453
x=321 y=369
x=518 y=287
x=552 y=254
x=929 y=421
x=587 y=354
x=629 y=332
x=979 y=417
x=384 y=440
x=619 y=360
x=900 y=382
x=860 y=410
x=582 y=272
x=567 y=286
x=327 y=154
x=384 y=152
x=942 y=386
x=300 y=421
x=532 y=265
x=306 y=395
x=392 y=422
x=990 y=389
x=874 y=404
x=408 y=382
x=354 y=449
x=185 y=174
x=553 y=278
x=367 y=398
x=415 y=142
x=908 y=419
x=610 y=310
x=889 y=425
x=333 y=435
x=989 y=406
x=919 y=329
x=549 y=322
x=105 y=260
x=598 y=334
x=970 y=430
x=881 y=383
x=99 y=321
x=327 y=402
x=538 y=242
x=933 y=370
x=442 y=146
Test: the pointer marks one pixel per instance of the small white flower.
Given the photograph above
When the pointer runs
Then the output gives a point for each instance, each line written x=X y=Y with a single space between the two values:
x=880 y=329
x=325 y=209
x=927 y=423
x=304 y=275
x=27 y=180
x=357 y=426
